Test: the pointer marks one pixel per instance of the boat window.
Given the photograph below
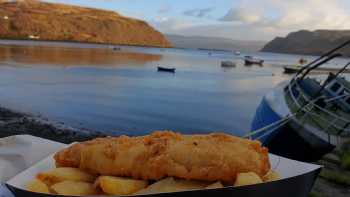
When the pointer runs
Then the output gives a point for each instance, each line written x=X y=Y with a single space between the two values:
x=335 y=87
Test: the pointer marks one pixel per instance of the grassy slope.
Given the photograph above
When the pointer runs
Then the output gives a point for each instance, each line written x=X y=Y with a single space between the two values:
x=71 y=23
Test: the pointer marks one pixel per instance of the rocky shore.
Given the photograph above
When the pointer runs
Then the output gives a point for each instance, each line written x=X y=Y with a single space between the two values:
x=334 y=179
x=15 y=123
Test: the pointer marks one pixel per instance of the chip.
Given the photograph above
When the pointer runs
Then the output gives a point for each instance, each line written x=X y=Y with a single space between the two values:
x=249 y=178
x=119 y=186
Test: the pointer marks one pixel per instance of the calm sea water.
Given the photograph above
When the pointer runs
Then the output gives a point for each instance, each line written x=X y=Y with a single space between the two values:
x=121 y=92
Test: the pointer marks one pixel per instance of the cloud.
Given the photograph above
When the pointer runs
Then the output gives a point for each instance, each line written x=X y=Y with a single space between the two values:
x=256 y=19
x=169 y=24
x=314 y=14
x=200 y=13
x=241 y=15
x=296 y=14
x=260 y=19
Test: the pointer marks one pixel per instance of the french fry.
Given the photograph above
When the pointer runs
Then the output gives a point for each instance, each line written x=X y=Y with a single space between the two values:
x=57 y=175
x=73 y=188
x=249 y=178
x=37 y=186
x=172 y=185
x=271 y=176
x=119 y=186
x=215 y=185
x=182 y=185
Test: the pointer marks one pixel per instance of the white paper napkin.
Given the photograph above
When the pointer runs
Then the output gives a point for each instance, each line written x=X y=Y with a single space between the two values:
x=19 y=152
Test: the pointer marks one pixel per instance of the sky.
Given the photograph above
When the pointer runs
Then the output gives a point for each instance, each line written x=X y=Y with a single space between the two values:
x=235 y=19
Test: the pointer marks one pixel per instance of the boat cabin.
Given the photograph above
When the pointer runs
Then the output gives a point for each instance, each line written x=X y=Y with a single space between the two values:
x=336 y=92
x=339 y=89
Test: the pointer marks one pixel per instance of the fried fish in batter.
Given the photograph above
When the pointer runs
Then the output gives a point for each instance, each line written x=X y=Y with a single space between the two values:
x=213 y=157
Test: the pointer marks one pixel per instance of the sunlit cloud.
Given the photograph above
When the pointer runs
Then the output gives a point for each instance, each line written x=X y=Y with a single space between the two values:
x=282 y=16
x=242 y=15
x=169 y=24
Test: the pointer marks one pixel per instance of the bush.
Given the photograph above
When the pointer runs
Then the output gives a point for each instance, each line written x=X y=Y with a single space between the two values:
x=315 y=194
x=346 y=147
x=345 y=160
x=336 y=177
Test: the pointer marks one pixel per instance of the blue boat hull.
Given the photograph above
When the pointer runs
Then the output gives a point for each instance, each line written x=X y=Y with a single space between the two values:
x=264 y=116
x=285 y=140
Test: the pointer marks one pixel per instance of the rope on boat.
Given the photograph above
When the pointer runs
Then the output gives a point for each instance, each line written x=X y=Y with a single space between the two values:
x=285 y=120
x=272 y=130
x=276 y=124
x=280 y=122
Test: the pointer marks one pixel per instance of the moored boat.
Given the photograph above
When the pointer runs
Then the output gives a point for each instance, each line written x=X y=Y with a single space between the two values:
x=305 y=118
x=249 y=60
x=164 y=69
x=302 y=61
x=228 y=64
x=292 y=69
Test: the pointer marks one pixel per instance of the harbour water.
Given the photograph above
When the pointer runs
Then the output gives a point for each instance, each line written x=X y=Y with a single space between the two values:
x=121 y=92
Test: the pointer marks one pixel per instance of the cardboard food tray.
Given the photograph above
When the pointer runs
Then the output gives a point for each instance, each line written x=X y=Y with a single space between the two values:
x=297 y=181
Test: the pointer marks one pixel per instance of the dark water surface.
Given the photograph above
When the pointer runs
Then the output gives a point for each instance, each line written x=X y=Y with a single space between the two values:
x=122 y=93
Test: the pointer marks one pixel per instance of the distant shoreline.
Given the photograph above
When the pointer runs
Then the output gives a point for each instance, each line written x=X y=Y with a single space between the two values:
x=75 y=44
x=65 y=42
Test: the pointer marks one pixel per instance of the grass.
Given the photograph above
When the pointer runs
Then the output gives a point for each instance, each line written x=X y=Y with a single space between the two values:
x=316 y=194
x=345 y=160
x=346 y=146
x=336 y=177
x=59 y=22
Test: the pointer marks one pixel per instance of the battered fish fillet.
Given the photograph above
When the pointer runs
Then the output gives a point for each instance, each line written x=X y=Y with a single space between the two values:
x=213 y=157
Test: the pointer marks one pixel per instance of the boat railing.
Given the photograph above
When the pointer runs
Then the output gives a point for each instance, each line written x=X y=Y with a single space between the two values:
x=308 y=106
x=304 y=98
x=302 y=102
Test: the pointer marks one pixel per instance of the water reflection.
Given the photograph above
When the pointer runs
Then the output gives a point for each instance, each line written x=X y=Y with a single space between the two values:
x=122 y=92
x=72 y=56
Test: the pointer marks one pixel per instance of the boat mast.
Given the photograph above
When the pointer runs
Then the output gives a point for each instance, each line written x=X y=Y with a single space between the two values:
x=319 y=64
x=323 y=56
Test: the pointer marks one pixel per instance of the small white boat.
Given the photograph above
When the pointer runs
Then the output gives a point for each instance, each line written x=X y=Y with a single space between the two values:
x=249 y=60
x=34 y=37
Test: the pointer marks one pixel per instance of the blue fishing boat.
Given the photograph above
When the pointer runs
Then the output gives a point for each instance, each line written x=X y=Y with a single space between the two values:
x=306 y=117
